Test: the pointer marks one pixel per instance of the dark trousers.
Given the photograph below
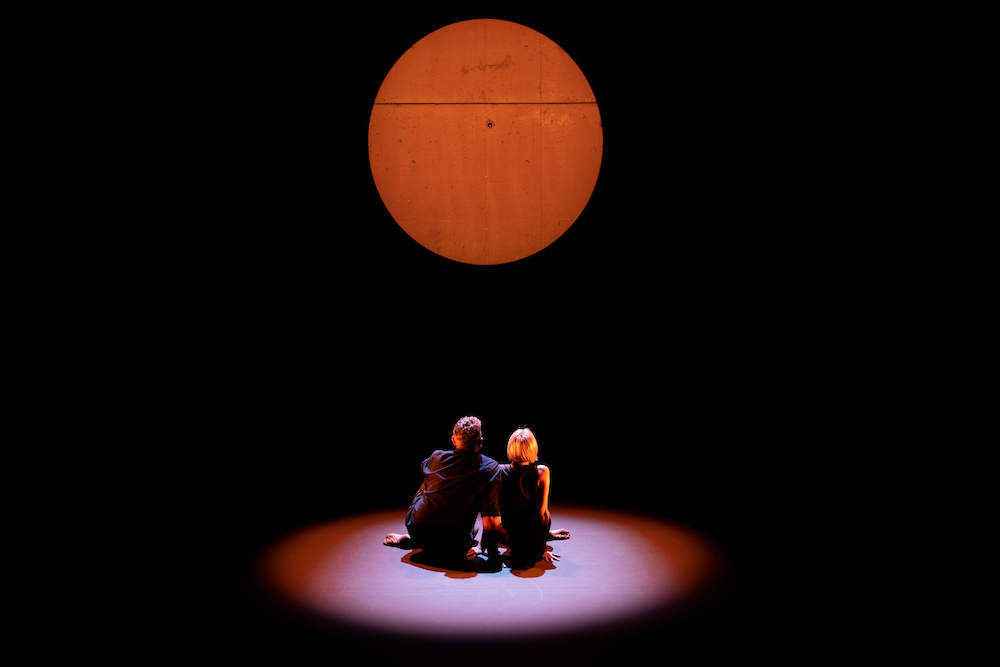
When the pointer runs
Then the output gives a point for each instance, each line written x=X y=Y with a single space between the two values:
x=445 y=541
x=526 y=535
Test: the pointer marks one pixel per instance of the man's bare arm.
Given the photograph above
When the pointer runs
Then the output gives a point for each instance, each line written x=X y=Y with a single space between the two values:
x=492 y=529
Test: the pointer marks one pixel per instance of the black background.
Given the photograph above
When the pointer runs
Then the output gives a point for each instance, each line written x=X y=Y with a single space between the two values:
x=680 y=351
x=659 y=347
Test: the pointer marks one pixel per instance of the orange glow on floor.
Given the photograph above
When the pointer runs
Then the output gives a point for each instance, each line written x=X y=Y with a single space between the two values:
x=485 y=141
x=618 y=570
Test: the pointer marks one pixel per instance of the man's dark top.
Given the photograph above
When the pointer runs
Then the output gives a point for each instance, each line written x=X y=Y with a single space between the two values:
x=458 y=484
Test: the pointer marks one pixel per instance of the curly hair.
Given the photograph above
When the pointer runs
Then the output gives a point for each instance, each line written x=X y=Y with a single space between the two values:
x=466 y=430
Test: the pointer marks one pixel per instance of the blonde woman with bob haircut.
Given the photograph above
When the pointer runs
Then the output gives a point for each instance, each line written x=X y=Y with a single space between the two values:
x=524 y=503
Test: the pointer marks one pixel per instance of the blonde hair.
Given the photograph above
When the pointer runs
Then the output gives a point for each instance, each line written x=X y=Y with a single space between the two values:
x=522 y=446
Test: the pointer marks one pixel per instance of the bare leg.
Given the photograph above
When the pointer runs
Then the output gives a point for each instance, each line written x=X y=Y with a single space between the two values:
x=397 y=540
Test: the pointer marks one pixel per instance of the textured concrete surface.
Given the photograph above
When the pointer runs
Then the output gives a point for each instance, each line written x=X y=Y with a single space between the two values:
x=485 y=141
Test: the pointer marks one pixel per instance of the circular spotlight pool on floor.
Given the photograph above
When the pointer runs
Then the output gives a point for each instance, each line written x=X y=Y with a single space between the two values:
x=618 y=570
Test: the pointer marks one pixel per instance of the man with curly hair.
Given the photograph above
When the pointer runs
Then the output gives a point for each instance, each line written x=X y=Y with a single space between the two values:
x=458 y=485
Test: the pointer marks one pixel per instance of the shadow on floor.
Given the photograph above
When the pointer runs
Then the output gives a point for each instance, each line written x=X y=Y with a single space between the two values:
x=465 y=568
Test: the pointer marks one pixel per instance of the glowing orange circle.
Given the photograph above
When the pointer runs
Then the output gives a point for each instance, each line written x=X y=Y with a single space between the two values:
x=485 y=141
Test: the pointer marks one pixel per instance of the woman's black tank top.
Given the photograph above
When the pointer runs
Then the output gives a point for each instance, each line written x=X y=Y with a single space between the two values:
x=520 y=491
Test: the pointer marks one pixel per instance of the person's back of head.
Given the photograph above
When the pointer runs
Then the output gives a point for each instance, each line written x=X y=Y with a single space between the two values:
x=522 y=447
x=468 y=433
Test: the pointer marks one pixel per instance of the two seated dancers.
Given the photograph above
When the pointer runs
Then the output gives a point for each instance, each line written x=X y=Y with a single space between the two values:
x=462 y=485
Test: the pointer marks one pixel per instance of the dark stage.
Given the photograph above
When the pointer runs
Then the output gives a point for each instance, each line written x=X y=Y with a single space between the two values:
x=304 y=355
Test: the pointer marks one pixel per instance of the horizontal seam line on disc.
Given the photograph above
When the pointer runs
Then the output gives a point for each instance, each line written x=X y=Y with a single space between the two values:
x=470 y=103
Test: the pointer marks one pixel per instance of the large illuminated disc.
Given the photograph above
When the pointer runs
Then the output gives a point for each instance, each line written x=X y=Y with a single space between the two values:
x=485 y=141
x=617 y=570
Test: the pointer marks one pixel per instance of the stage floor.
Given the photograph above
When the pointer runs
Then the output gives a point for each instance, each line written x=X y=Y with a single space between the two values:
x=619 y=571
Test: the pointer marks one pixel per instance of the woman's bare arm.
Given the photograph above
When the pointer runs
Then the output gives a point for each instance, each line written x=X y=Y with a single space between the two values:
x=544 y=481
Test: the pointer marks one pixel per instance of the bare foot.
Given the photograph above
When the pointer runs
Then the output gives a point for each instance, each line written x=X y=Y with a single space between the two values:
x=561 y=534
x=396 y=540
